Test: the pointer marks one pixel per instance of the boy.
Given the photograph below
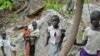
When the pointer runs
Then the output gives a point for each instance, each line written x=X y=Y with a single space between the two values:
x=91 y=37
x=34 y=34
x=55 y=37
x=5 y=45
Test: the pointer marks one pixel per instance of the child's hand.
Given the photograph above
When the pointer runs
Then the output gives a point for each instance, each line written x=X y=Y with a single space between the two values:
x=63 y=30
x=46 y=44
x=4 y=54
x=12 y=44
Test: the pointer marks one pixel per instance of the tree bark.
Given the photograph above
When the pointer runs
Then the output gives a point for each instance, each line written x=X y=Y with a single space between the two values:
x=74 y=29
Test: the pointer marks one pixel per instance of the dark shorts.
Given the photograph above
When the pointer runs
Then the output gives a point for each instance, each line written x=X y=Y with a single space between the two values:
x=32 y=50
x=84 y=53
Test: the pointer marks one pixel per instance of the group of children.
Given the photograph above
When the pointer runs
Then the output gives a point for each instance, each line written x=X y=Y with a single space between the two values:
x=28 y=37
x=55 y=36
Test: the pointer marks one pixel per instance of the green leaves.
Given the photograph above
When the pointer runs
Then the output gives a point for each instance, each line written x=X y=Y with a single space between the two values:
x=2 y=1
x=53 y=4
x=5 y=5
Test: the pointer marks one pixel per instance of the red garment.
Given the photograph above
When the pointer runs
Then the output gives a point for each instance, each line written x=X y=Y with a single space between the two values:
x=26 y=35
x=27 y=48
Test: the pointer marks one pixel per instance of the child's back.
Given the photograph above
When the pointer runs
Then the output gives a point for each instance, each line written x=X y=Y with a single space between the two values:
x=93 y=43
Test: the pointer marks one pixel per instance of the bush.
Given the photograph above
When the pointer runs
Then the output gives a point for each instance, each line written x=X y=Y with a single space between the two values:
x=5 y=4
x=53 y=4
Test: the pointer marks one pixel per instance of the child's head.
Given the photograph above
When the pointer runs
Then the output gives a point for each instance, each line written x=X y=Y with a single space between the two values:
x=3 y=34
x=95 y=18
x=34 y=24
x=55 y=21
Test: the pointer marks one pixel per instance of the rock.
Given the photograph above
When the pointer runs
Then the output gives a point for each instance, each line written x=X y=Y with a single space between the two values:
x=35 y=5
x=86 y=14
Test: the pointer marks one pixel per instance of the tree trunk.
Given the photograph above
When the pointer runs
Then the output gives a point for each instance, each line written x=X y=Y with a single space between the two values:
x=74 y=29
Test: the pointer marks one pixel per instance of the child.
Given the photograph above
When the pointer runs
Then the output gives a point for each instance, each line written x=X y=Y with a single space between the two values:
x=34 y=34
x=5 y=44
x=55 y=37
x=26 y=36
x=91 y=37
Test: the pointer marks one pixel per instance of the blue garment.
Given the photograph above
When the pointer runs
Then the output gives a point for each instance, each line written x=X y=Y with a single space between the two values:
x=53 y=49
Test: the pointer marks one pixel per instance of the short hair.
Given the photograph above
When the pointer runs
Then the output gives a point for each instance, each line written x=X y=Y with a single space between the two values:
x=55 y=18
x=95 y=15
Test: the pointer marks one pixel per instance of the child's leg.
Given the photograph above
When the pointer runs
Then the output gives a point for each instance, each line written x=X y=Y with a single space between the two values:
x=14 y=53
x=32 y=50
x=27 y=49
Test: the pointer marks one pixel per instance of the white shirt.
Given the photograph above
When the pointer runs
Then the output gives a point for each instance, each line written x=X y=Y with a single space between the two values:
x=35 y=32
x=30 y=27
x=93 y=43
x=7 y=47
x=5 y=43
x=54 y=39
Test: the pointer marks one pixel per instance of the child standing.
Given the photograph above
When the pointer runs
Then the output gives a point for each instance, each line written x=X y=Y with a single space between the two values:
x=55 y=37
x=91 y=37
x=26 y=36
x=34 y=35
x=5 y=44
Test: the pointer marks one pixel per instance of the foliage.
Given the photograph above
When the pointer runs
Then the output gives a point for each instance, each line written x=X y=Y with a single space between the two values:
x=86 y=1
x=53 y=4
x=5 y=4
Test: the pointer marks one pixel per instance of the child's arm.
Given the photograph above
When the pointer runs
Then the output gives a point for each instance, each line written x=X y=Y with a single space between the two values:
x=12 y=44
x=80 y=44
x=19 y=38
x=36 y=34
x=84 y=42
x=84 y=38
x=2 y=48
x=62 y=36
x=47 y=40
